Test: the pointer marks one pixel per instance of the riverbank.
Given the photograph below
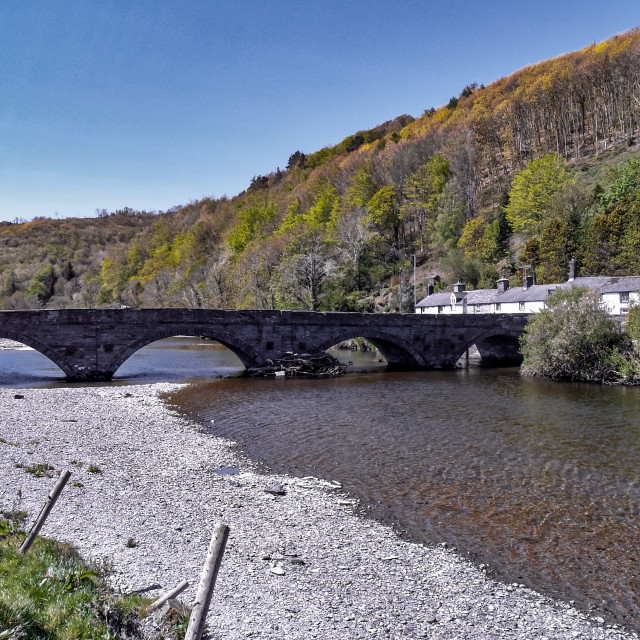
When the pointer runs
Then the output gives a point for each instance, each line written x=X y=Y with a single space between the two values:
x=147 y=488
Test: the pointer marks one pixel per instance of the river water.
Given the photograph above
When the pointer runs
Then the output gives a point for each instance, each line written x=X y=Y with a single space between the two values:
x=539 y=481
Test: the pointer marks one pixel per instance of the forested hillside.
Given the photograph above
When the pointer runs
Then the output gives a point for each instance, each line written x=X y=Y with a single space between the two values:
x=526 y=172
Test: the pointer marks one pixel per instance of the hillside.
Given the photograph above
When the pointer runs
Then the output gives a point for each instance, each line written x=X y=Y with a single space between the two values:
x=528 y=171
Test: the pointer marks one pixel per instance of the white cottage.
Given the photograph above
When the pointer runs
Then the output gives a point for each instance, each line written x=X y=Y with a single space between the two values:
x=617 y=294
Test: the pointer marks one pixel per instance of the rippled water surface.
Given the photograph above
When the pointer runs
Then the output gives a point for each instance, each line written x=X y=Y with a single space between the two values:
x=538 y=480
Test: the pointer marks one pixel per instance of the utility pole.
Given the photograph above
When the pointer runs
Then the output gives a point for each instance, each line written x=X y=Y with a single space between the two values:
x=400 y=287
x=415 y=289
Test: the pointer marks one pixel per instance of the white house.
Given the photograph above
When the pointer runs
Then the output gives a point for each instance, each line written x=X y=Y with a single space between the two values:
x=616 y=292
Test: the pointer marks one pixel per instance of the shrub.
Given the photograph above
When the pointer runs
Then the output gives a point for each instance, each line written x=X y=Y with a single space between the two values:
x=575 y=339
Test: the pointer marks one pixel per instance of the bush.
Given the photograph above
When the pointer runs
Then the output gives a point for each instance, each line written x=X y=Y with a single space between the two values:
x=575 y=339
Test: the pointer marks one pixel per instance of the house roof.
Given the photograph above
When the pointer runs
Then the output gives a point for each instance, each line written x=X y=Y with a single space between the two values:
x=534 y=293
x=479 y=296
x=608 y=284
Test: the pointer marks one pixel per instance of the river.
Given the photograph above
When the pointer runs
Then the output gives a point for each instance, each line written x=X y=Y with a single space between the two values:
x=536 y=480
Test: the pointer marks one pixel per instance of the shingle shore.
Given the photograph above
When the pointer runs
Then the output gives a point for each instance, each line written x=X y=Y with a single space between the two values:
x=159 y=484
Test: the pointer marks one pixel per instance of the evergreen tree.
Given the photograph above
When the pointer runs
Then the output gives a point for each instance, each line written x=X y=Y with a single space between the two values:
x=556 y=249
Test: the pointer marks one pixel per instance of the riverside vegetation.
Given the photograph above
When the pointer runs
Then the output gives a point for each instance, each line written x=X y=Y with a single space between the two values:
x=576 y=339
x=530 y=170
x=52 y=593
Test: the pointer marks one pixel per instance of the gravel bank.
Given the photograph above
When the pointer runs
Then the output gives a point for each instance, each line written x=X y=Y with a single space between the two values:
x=11 y=345
x=159 y=483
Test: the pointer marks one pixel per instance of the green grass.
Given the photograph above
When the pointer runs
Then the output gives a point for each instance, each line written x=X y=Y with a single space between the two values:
x=50 y=593
x=40 y=470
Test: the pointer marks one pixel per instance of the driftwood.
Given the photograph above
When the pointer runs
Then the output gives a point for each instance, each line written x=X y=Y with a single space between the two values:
x=176 y=591
x=207 y=582
x=299 y=364
x=46 y=510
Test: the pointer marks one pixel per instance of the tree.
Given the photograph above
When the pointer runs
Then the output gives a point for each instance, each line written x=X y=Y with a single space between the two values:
x=556 y=249
x=43 y=284
x=363 y=188
x=472 y=236
x=424 y=189
x=352 y=231
x=9 y=285
x=385 y=213
x=299 y=278
x=446 y=229
x=296 y=160
x=254 y=221
x=596 y=248
x=574 y=339
x=532 y=190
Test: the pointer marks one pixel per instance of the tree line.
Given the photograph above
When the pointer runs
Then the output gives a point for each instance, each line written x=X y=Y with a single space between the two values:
x=527 y=172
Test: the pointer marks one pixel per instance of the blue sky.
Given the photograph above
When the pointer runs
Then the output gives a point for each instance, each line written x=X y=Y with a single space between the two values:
x=107 y=104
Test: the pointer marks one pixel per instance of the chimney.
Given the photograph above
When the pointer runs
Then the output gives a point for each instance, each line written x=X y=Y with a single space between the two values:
x=459 y=287
x=572 y=270
x=429 y=290
x=528 y=282
x=502 y=284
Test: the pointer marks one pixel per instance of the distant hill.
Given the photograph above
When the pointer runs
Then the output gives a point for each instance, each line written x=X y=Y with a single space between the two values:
x=526 y=172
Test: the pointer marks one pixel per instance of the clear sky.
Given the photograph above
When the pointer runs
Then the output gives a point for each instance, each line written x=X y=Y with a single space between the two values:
x=152 y=104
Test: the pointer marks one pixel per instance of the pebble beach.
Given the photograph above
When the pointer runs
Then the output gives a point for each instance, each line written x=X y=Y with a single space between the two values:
x=148 y=485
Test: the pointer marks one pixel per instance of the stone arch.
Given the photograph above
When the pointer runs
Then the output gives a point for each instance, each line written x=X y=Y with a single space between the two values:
x=244 y=351
x=40 y=347
x=396 y=351
x=495 y=347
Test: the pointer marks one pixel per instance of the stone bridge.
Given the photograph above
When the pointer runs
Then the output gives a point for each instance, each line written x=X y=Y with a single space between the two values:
x=91 y=344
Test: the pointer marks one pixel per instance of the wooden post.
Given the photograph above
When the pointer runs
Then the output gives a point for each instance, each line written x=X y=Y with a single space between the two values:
x=167 y=596
x=207 y=582
x=46 y=510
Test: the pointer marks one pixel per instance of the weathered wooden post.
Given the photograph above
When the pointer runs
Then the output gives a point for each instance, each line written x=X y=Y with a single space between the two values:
x=46 y=510
x=207 y=582
x=170 y=594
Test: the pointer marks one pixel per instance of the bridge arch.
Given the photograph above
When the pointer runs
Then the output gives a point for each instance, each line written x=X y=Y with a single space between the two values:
x=40 y=347
x=498 y=344
x=244 y=351
x=397 y=352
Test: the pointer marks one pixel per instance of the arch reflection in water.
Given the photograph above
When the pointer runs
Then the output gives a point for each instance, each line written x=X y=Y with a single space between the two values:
x=180 y=358
x=174 y=359
x=21 y=365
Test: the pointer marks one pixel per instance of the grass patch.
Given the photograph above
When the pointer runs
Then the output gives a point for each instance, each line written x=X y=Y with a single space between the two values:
x=41 y=470
x=94 y=468
x=51 y=593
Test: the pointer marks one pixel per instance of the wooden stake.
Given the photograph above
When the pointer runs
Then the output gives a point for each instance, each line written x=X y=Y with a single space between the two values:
x=46 y=510
x=207 y=582
x=170 y=594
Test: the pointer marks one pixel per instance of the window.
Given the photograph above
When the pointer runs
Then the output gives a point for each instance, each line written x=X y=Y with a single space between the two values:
x=477 y=308
x=521 y=306
x=550 y=292
x=498 y=306
x=624 y=296
x=440 y=309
